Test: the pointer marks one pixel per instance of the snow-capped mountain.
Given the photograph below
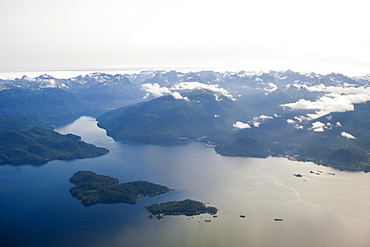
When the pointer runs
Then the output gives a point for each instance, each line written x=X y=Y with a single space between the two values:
x=170 y=78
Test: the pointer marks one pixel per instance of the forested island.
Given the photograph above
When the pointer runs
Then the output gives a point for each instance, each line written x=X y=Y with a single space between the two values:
x=92 y=188
x=186 y=207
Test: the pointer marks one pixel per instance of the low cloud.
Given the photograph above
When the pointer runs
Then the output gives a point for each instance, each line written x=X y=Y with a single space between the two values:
x=347 y=135
x=197 y=85
x=263 y=117
x=177 y=95
x=241 y=125
x=299 y=127
x=155 y=89
x=256 y=124
x=318 y=126
x=338 y=90
x=331 y=102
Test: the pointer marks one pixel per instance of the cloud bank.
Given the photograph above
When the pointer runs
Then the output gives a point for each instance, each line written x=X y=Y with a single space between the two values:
x=197 y=85
x=157 y=91
x=336 y=99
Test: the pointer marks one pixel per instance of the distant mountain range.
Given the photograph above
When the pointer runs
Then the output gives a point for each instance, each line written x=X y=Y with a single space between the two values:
x=103 y=91
x=310 y=117
x=170 y=78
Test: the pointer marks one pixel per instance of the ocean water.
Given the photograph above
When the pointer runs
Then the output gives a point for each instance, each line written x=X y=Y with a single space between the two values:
x=318 y=209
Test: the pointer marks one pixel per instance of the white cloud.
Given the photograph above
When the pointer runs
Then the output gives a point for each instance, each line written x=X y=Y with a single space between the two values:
x=300 y=119
x=298 y=126
x=318 y=126
x=347 y=135
x=319 y=130
x=338 y=90
x=256 y=124
x=241 y=125
x=263 y=117
x=155 y=89
x=331 y=102
x=177 y=95
x=197 y=85
x=290 y=121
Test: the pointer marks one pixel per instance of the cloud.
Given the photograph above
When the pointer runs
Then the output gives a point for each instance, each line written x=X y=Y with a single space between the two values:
x=299 y=127
x=256 y=124
x=177 y=95
x=318 y=126
x=338 y=90
x=328 y=103
x=300 y=119
x=347 y=135
x=197 y=85
x=290 y=121
x=155 y=89
x=263 y=117
x=241 y=125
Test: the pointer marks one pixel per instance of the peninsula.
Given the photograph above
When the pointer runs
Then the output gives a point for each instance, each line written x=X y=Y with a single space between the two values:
x=38 y=145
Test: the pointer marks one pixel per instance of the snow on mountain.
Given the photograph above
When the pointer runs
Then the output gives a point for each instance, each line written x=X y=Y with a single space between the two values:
x=242 y=82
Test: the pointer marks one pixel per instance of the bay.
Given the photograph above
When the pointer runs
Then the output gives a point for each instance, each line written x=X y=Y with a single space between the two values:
x=317 y=209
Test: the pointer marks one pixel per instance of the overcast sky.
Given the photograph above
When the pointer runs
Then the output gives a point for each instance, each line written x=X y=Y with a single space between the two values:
x=319 y=35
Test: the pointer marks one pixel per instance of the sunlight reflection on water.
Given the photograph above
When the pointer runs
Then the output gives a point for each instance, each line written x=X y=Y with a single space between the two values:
x=317 y=210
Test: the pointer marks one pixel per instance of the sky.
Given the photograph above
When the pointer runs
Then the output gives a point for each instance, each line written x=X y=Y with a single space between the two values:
x=321 y=36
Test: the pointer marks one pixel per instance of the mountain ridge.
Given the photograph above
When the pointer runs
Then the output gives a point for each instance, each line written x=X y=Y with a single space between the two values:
x=306 y=116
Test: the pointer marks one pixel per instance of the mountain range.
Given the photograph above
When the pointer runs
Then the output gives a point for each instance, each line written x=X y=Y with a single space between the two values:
x=309 y=117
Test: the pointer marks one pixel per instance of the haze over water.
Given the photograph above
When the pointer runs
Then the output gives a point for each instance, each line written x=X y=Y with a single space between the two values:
x=36 y=208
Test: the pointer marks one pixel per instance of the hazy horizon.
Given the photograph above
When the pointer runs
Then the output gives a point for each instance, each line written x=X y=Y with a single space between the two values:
x=316 y=36
x=69 y=73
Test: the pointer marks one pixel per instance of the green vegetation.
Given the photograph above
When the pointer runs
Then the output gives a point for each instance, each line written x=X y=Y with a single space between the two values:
x=21 y=122
x=91 y=189
x=168 y=120
x=38 y=145
x=53 y=104
x=245 y=147
x=187 y=207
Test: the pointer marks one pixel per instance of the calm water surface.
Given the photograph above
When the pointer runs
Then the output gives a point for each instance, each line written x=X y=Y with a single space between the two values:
x=36 y=208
